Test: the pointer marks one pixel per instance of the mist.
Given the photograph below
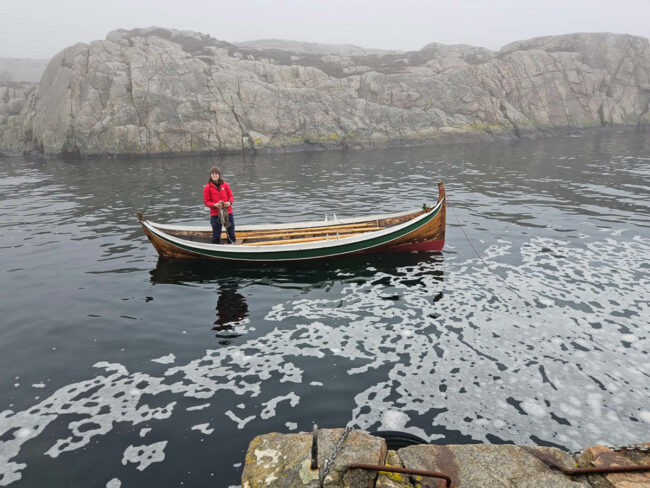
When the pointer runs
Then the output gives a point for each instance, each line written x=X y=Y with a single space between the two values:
x=39 y=29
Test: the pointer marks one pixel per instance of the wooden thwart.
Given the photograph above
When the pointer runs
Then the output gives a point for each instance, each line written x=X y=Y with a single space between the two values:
x=331 y=237
x=311 y=230
x=291 y=235
x=275 y=233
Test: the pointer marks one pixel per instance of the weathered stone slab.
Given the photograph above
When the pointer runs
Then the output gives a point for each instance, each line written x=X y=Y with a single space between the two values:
x=359 y=447
x=277 y=460
x=393 y=480
x=602 y=456
x=283 y=460
x=491 y=466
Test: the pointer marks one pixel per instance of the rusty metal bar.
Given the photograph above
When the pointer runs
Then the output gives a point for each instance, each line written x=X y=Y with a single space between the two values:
x=604 y=469
x=314 y=447
x=551 y=463
x=395 y=469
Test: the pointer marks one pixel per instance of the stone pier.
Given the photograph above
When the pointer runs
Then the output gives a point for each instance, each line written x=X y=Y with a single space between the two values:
x=283 y=460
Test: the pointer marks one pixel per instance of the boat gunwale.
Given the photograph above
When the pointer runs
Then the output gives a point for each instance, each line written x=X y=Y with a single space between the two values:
x=289 y=247
x=285 y=226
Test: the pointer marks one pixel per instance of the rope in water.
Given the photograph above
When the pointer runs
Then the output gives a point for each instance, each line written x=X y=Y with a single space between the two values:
x=462 y=228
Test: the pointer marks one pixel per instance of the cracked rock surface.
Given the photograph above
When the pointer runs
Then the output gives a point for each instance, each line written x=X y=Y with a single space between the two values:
x=279 y=460
x=162 y=91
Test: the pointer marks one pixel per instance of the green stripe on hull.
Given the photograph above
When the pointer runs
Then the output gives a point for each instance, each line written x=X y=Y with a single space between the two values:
x=315 y=253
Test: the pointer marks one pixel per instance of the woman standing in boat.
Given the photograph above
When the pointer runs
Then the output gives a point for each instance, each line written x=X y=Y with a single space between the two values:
x=218 y=197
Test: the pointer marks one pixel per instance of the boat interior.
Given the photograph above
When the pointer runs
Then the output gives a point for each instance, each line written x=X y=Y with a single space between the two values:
x=300 y=232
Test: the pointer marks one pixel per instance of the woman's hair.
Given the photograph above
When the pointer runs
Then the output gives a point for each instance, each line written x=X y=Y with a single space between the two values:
x=217 y=170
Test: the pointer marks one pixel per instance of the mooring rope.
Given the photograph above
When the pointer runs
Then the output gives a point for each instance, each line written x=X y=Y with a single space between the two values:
x=462 y=228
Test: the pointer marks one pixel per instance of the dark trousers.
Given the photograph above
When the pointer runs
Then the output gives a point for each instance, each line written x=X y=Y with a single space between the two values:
x=215 y=221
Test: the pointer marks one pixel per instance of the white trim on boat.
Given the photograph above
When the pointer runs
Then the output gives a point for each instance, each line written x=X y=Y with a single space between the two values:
x=155 y=228
x=289 y=225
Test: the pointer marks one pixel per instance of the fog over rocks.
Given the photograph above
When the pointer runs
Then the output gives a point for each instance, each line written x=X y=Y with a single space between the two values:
x=312 y=47
x=25 y=70
x=164 y=91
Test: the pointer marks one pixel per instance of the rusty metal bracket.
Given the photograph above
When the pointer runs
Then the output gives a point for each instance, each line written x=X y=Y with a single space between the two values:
x=604 y=469
x=593 y=470
x=395 y=469
x=314 y=447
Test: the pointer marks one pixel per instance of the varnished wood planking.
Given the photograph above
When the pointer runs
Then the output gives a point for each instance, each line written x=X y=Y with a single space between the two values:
x=432 y=231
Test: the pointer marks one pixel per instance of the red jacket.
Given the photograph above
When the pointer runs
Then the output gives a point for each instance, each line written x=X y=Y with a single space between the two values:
x=211 y=196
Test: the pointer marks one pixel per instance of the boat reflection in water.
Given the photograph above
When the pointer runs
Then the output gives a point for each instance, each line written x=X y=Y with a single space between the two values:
x=305 y=276
x=231 y=309
x=410 y=269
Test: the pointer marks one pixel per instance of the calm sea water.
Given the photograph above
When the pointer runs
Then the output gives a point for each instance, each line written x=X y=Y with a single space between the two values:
x=532 y=327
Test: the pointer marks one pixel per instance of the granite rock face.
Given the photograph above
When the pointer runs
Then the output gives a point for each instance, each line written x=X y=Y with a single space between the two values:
x=283 y=460
x=393 y=480
x=160 y=91
x=600 y=456
x=483 y=465
x=16 y=100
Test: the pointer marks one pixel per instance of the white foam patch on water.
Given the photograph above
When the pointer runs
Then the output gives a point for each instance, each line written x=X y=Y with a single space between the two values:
x=170 y=358
x=566 y=340
x=534 y=408
x=145 y=455
x=241 y=423
x=23 y=433
x=198 y=407
x=394 y=420
x=271 y=405
x=114 y=483
x=144 y=431
x=203 y=428
x=569 y=410
x=455 y=351
x=291 y=425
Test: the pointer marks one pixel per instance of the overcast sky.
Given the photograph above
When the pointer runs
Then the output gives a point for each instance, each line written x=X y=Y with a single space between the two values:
x=41 y=28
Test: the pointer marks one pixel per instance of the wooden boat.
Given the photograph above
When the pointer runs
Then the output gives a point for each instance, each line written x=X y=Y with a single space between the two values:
x=416 y=230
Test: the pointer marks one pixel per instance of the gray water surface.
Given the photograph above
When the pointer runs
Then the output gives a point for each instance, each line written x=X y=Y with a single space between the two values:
x=532 y=327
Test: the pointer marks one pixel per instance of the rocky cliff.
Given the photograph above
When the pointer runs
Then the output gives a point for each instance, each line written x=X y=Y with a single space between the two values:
x=16 y=106
x=160 y=91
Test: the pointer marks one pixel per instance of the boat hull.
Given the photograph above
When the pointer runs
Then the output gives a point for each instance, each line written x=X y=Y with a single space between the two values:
x=422 y=230
x=430 y=246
